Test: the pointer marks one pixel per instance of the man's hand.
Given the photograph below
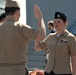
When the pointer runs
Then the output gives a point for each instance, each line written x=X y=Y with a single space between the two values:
x=37 y=12
x=37 y=72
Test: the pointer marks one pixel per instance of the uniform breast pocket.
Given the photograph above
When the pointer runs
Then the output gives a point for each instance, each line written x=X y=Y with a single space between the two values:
x=63 y=43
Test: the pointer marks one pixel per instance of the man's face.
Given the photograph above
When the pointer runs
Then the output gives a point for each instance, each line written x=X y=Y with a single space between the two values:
x=17 y=15
x=59 y=24
x=50 y=27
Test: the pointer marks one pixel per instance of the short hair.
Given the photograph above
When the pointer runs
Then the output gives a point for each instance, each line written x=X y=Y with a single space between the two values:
x=51 y=23
x=11 y=10
x=3 y=15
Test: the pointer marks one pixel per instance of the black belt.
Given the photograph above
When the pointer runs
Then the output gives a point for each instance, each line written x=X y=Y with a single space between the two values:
x=52 y=73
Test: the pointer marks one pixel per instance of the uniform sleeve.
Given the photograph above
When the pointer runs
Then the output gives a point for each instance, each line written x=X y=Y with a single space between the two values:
x=72 y=45
x=29 y=32
x=44 y=43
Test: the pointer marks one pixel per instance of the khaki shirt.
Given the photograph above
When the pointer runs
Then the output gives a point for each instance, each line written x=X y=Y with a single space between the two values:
x=14 y=40
x=60 y=49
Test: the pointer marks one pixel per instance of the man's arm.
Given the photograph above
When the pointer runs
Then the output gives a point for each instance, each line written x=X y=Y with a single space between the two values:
x=41 y=27
x=37 y=45
x=73 y=57
x=41 y=24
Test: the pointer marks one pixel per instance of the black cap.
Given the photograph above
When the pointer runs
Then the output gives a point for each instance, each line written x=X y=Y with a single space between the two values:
x=2 y=16
x=60 y=15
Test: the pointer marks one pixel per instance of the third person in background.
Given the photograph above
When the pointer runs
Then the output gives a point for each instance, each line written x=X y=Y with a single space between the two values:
x=52 y=30
x=51 y=26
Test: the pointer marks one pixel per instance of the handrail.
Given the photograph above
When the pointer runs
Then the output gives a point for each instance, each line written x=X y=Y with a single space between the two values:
x=72 y=28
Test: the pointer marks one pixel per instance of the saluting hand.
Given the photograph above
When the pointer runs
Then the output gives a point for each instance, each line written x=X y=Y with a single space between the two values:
x=37 y=12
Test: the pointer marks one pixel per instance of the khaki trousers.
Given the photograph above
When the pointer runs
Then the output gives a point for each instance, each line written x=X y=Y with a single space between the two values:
x=12 y=70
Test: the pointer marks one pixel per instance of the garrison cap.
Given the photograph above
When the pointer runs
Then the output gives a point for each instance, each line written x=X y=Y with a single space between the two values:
x=60 y=15
x=51 y=23
x=10 y=3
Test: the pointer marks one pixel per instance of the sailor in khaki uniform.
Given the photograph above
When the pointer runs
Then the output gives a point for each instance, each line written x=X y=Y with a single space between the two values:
x=14 y=39
x=62 y=46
